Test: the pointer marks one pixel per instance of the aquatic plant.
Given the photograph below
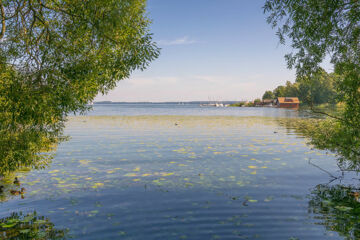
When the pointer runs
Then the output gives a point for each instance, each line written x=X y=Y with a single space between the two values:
x=337 y=207
x=29 y=226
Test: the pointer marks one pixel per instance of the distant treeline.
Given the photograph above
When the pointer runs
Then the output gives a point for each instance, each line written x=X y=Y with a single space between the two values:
x=319 y=88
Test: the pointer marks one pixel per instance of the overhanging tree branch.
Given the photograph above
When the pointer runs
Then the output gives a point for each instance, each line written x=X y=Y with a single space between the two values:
x=3 y=20
x=326 y=114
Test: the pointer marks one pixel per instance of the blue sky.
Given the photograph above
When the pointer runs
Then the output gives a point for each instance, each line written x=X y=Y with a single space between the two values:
x=217 y=49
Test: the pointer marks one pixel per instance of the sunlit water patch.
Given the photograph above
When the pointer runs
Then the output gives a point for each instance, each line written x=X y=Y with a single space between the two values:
x=179 y=177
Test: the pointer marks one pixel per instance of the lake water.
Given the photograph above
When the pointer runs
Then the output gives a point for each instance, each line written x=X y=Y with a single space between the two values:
x=139 y=109
x=156 y=171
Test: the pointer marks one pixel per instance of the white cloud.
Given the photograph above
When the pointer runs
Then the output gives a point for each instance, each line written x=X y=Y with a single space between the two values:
x=180 y=41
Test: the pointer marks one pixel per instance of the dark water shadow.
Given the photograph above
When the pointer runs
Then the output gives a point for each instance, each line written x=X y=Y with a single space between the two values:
x=337 y=208
x=19 y=225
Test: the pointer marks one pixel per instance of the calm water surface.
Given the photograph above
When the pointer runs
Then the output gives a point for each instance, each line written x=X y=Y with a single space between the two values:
x=158 y=172
x=135 y=109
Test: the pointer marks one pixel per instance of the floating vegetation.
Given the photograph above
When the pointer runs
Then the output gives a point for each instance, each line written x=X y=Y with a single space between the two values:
x=29 y=226
x=337 y=207
x=200 y=155
x=120 y=170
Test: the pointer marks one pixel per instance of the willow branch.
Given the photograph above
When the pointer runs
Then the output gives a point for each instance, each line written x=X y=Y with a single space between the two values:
x=3 y=23
x=58 y=9
x=334 y=117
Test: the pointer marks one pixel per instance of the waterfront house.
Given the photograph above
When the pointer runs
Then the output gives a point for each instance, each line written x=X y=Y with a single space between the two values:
x=267 y=102
x=287 y=102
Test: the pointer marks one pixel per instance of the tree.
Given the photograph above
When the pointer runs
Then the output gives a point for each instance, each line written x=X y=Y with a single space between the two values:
x=291 y=90
x=321 y=28
x=279 y=92
x=257 y=100
x=317 y=89
x=55 y=57
x=268 y=95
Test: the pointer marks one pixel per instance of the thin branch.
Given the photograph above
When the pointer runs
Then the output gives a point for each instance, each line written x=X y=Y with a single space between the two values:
x=3 y=22
x=58 y=9
x=329 y=173
x=324 y=113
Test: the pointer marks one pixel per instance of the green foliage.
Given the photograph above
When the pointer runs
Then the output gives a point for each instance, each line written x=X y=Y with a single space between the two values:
x=250 y=104
x=280 y=92
x=30 y=127
x=337 y=208
x=289 y=90
x=318 y=89
x=330 y=134
x=268 y=95
x=350 y=93
x=238 y=104
x=55 y=57
x=315 y=89
x=258 y=100
x=321 y=28
x=317 y=28
x=29 y=226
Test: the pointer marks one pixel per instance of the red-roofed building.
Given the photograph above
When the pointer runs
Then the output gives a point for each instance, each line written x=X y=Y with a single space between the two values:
x=287 y=102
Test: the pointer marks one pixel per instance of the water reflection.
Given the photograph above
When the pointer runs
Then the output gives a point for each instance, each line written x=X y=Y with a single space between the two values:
x=335 y=205
x=171 y=177
x=192 y=109
x=331 y=136
x=29 y=226
x=337 y=208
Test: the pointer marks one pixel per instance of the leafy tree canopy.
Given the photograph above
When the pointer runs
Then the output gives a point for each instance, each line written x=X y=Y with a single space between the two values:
x=258 y=100
x=74 y=49
x=55 y=57
x=317 y=28
x=268 y=95
x=318 y=88
x=321 y=28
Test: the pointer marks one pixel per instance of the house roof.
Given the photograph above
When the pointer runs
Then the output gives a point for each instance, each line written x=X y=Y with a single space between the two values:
x=268 y=101
x=288 y=100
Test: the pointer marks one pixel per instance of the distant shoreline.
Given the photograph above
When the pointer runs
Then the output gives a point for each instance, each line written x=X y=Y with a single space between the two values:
x=187 y=102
